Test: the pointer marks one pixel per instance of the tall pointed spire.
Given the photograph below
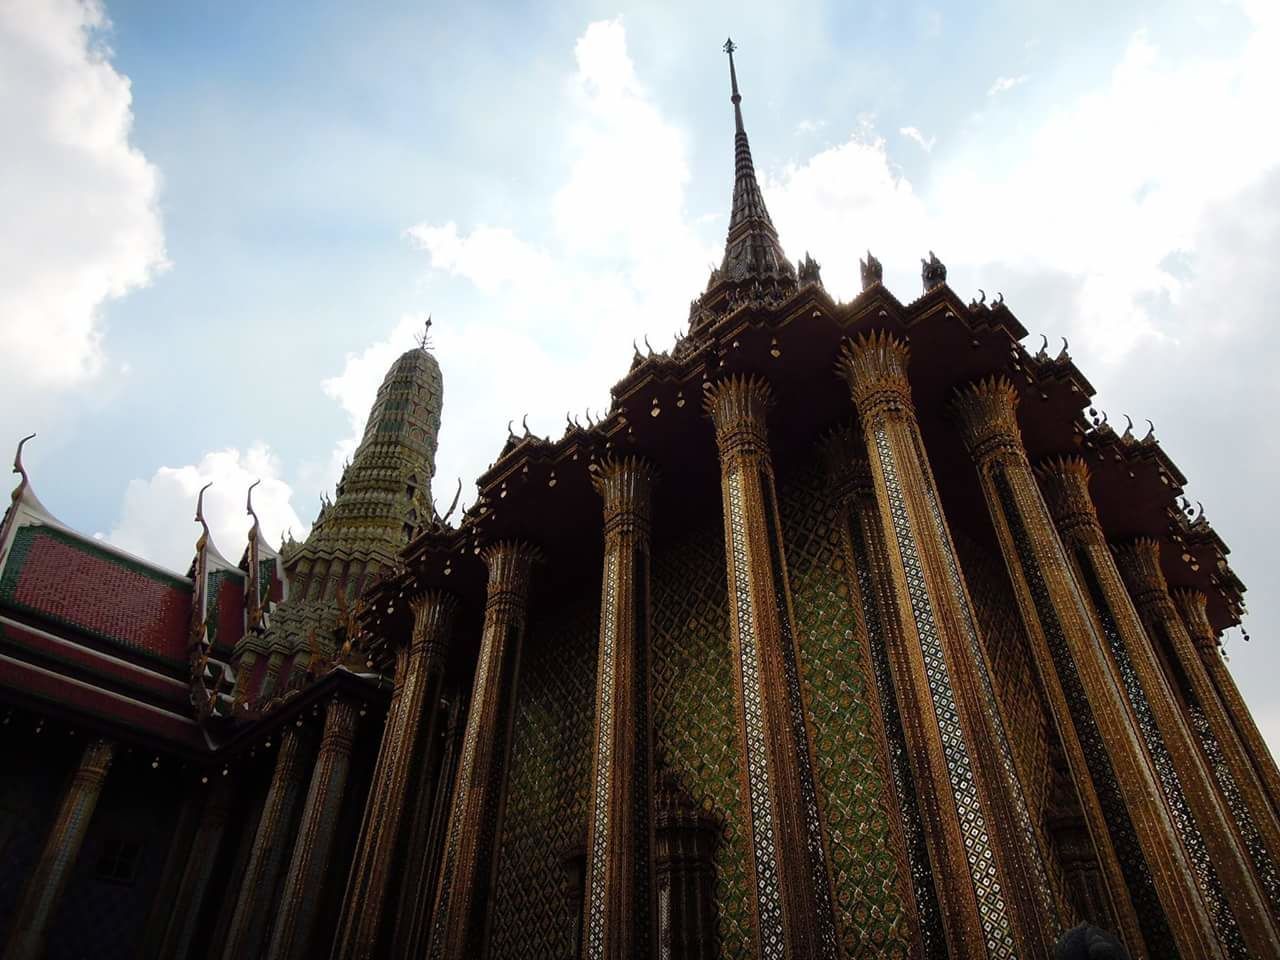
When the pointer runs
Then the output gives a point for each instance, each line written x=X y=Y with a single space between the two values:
x=751 y=249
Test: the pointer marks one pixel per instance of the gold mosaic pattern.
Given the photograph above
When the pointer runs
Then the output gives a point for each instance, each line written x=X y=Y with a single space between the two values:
x=546 y=812
x=768 y=892
x=604 y=764
x=973 y=827
x=852 y=779
x=694 y=726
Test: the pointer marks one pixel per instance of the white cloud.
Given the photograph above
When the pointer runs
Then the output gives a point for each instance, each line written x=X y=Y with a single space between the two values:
x=79 y=221
x=556 y=318
x=156 y=516
x=809 y=126
x=1005 y=84
x=912 y=133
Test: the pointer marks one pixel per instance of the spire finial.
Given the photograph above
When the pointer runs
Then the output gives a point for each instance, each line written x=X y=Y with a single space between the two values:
x=736 y=98
x=752 y=250
x=424 y=341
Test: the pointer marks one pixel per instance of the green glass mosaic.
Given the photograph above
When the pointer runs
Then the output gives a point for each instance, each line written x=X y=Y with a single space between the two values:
x=851 y=771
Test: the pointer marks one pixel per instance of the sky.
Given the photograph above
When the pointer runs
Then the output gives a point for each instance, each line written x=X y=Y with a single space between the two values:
x=220 y=223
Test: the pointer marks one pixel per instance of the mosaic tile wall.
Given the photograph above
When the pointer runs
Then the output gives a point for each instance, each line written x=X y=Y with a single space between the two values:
x=546 y=811
x=1025 y=710
x=696 y=738
x=694 y=715
x=1024 y=707
x=852 y=777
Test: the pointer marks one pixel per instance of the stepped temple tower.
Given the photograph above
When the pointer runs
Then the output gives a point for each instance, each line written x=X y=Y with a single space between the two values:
x=850 y=631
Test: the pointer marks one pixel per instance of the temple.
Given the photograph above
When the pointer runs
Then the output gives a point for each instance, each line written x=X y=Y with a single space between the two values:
x=851 y=630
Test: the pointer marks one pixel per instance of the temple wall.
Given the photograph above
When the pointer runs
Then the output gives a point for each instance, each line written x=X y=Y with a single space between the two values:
x=695 y=736
x=546 y=809
x=851 y=775
x=108 y=897
x=1027 y=718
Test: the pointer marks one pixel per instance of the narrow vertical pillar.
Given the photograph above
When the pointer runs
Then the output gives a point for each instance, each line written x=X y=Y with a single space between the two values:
x=793 y=901
x=244 y=672
x=1224 y=751
x=986 y=853
x=201 y=859
x=618 y=902
x=166 y=891
x=300 y=897
x=271 y=678
x=1191 y=813
x=49 y=880
x=365 y=924
x=271 y=847
x=1117 y=787
x=413 y=926
x=466 y=872
x=1193 y=605
x=849 y=476
x=1235 y=868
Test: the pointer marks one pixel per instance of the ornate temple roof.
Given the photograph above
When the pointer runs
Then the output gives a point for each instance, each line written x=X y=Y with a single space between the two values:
x=751 y=249
x=385 y=491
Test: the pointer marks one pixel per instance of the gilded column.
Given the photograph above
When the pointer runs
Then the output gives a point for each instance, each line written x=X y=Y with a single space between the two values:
x=986 y=853
x=1224 y=751
x=49 y=880
x=862 y=540
x=271 y=847
x=244 y=671
x=793 y=901
x=201 y=859
x=1193 y=606
x=1191 y=812
x=1117 y=787
x=1239 y=873
x=365 y=925
x=618 y=903
x=300 y=897
x=413 y=924
x=466 y=871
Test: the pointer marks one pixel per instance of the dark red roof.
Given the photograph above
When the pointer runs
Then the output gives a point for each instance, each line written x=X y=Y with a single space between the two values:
x=63 y=579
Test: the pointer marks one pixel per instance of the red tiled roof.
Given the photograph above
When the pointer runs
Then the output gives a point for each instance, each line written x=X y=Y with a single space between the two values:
x=65 y=579
x=230 y=620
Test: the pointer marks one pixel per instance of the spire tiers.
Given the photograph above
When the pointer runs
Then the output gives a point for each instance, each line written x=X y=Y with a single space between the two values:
x=752 y=251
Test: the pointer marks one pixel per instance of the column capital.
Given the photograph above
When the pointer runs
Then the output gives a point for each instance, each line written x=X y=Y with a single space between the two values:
x=433 y=616
x=874 y=365
x=625 y=484
x=987 y=411
x=1139 y=562
x=96 y=760
x=1065 y=484
x=510 y=563
x=738 y=406
x=844 y=457
x=1194 y=607
x=340 y=718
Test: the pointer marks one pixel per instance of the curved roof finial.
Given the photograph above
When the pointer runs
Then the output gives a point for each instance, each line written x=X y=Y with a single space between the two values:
x=200 y=508
x=18 y=468
x=248 y=503
x=453 y=506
